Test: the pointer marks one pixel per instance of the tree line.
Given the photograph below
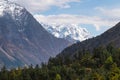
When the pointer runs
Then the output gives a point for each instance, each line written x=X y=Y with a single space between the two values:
x=103 y=63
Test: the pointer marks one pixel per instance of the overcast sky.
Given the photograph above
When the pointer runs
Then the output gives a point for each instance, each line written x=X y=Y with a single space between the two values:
x=95 y=15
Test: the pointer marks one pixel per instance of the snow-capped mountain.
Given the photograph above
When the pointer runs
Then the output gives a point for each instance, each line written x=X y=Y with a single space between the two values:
x=13 y=9
x=70 y=32
x=23 y=41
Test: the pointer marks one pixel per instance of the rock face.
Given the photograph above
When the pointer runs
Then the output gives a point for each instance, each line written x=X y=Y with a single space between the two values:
x=110 y=36
x=71 y=32
x=23 y=41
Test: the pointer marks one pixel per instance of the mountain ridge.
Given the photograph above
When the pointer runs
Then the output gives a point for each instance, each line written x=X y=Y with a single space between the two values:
x=71 y=32
x=110 y=36
x=23 y=41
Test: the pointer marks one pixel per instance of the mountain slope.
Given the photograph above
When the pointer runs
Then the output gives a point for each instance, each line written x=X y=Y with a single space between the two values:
x=70 y=32
x=22 y=39
x=110 y=36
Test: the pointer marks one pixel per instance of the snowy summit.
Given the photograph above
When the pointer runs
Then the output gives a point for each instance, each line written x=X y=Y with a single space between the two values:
x=13 y=9
x=70 y=32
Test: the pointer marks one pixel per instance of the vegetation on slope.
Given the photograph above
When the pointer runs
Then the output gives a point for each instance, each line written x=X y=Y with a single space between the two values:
x=101 y=64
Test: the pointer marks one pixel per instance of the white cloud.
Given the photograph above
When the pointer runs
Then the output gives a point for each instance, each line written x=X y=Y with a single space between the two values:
x=113 y=13
x=107 y=17
x=97 y=22
x=41 y=5
x=97 y=27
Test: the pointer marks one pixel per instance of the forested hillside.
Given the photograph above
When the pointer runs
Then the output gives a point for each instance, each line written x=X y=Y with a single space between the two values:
x=102 y=64
x=110 y=36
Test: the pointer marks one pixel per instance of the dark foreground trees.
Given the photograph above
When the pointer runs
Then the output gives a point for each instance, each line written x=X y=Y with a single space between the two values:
x=102 y=64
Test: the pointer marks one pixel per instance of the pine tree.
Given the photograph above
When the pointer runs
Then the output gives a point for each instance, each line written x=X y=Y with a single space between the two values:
x=58 y=77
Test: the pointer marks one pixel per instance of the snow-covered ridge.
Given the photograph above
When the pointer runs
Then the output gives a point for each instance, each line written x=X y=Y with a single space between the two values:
x=13 y=9
x=71 y=32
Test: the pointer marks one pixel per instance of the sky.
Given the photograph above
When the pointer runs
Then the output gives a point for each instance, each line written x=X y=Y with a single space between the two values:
x=95 y=15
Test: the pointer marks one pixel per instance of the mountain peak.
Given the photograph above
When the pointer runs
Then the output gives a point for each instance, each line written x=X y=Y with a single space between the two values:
x=110 y=36
x=22 y=39
x=14 y=11
x=70 y=32
x=11 y=8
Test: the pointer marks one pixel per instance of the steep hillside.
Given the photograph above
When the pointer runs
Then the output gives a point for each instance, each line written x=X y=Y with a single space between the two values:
x=110 y=36
x=23 y=41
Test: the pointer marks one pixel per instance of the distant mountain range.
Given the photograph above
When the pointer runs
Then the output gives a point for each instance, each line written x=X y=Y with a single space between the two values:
x=23 y=41
x=110 y=36
x=70 y=32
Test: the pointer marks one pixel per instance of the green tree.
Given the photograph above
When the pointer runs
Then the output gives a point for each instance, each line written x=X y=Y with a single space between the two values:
x=87 y=60
x=4 y=73
x=100 y=54
x=96 y=76
x=114 y=73
x=108 y=62
x=58 y=77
